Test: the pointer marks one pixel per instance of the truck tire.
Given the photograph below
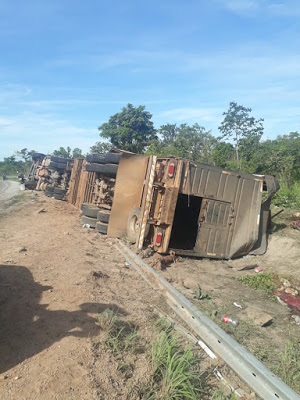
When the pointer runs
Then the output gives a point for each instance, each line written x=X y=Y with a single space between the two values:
x=133 y=225
x=95 y=168
x=113 y=158
x=90 y=221
x=58 y=190
x=58 y=196
x=60 y=159
x=103 y=216
x=49 y=191
x=101 y=228
x=37 y=156
x=96 y=158
x=89 y=210
x=30 y=185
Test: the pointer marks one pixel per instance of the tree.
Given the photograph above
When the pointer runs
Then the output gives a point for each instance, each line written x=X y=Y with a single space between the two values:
x=77 y=153
x=100 y=147
x=192 y=142
x=131 y=129
x=238 y=124
x=25 y=154
x=62 y=152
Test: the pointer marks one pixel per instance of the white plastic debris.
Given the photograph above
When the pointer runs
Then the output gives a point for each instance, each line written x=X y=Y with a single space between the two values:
x=237 y=305
x=86 y=225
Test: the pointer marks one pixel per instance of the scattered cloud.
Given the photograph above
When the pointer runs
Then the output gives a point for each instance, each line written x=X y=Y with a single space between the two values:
x=258 y=8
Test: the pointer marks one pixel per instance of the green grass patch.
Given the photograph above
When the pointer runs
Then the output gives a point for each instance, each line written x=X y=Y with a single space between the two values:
x=119 y=336
x=288 y=368
x=266 y=282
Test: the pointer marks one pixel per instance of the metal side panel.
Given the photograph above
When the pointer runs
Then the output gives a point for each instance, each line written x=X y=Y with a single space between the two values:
x=246 y=212
x=128 y=192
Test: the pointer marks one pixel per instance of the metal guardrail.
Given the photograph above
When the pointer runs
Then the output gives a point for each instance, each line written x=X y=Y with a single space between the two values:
x=258 y=377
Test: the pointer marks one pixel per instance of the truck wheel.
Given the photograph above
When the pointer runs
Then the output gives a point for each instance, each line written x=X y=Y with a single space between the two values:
x=101 y=227
x=89 y=210
x=59 y=190
x=58 y=196
x=90 y=221
x=133 y=225
x=103 y=216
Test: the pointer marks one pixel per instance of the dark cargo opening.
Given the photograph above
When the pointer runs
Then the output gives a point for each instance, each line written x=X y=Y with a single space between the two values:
x=185 y=225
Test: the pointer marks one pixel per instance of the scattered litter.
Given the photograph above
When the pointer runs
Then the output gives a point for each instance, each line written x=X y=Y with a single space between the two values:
x=286 y=283
x=291 y=301
x=41 y=210
x=257 y=269
x=258 y=316
x=296 y=318
x=17 y=377
x=296 y=225
x=291 y=291
x=228 y=320
x=21 y=249
x=280 y=301
x=9 y=260
x=126 y=264
x=86 y=226
x=248 y=267
x=237 y=305
x=296 y=215
x=246 y=257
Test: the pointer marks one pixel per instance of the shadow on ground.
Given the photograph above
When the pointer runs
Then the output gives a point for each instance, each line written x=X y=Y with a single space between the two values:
x=27 y=327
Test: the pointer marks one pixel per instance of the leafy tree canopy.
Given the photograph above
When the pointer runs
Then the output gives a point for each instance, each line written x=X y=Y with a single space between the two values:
x=100 y=147
x=131 y=129
x=68 y=152
x=238 y=124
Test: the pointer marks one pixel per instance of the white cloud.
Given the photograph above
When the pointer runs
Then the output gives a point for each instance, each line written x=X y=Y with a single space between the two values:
x=258 y=8
x=43 y=133
x=188 y=115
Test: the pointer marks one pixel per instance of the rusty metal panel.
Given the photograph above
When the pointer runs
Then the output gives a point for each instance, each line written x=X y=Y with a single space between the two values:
x=246 y=216
x=128 y=192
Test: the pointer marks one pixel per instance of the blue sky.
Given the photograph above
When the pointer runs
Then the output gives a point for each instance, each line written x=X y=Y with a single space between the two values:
x=67 y=66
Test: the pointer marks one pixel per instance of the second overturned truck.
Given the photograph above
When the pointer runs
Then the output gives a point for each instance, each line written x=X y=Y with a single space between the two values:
x=193 y=209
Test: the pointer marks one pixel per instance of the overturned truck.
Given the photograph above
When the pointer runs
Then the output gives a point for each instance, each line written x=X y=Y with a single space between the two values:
x=194 y=209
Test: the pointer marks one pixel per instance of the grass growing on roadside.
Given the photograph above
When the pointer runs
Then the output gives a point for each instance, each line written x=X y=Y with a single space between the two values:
x=288 y=368
x=175 y=370
x=119 y=336
x=265 y=282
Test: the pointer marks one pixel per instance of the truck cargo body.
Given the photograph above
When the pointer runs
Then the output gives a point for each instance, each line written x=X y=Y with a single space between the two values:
x=190 y=208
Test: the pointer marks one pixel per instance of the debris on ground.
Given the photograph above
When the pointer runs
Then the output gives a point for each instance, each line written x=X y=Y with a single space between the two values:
x=258 y=316
x=296 y=224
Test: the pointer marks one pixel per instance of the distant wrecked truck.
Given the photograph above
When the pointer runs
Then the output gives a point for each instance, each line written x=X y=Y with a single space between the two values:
x=174 y=204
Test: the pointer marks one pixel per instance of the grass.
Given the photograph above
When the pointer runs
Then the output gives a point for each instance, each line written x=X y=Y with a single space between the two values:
x=266 y=282
x=118 y=335
x=220 y=395
x=288 y=368
x=287 y=197
x=175 y=372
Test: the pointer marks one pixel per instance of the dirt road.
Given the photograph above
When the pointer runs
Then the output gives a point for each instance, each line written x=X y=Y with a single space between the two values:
x=56 y=278
x=8 y=189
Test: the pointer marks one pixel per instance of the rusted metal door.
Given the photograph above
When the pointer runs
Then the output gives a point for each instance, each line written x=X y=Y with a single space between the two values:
x=214 y=226
x=128 y=192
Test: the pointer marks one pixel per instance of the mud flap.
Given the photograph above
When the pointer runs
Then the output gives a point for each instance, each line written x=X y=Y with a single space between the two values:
x=128 y=192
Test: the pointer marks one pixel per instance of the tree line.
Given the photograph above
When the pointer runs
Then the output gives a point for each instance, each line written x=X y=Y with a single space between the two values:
x=239 y=145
